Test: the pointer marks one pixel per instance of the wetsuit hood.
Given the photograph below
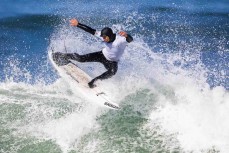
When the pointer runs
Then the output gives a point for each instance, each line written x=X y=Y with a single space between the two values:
x=108 y=32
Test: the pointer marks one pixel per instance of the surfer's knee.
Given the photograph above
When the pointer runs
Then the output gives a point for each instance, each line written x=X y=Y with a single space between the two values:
x=113 y=71
x=74 y=56
x=112 y=68
x=77 y=57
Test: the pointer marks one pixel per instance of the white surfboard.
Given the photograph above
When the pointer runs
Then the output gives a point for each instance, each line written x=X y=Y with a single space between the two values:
x=79 y=79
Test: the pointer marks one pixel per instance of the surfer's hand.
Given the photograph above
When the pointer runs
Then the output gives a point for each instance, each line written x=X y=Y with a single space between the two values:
x=123 y=33
x=74 y=22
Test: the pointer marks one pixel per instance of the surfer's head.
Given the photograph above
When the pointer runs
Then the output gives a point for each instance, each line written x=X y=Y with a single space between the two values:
x=107 y=34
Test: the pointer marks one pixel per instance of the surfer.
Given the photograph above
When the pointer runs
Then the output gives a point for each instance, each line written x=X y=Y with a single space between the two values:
x=109 y=56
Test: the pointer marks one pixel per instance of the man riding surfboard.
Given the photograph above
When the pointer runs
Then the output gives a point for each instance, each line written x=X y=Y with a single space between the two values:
x=115 y=45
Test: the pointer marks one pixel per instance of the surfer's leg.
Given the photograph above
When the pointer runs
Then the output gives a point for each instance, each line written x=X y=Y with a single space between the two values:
x=111 y=67
x=91 y=57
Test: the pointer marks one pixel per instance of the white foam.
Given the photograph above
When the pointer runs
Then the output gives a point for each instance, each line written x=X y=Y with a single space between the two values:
x=200 y=119
x=40 y=118
x=67 y=131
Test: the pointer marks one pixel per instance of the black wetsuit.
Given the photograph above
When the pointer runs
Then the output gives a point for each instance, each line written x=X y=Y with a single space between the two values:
x=111 y=66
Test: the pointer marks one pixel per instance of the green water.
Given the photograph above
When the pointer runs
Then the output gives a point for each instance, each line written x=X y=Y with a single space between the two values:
x=123 y=131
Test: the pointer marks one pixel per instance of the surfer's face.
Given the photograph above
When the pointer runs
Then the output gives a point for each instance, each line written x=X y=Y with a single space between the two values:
x=106 y=38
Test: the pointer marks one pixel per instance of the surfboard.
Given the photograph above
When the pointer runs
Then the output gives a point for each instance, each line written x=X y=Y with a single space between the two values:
x=78 y=78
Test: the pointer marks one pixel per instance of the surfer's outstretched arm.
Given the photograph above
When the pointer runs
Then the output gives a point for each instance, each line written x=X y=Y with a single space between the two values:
x=75 y=22
x=128 y=37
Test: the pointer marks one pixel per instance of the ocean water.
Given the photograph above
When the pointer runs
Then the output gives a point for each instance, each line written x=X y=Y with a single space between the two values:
x=172 y=84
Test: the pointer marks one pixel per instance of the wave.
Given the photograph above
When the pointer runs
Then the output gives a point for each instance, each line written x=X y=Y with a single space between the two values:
x=31 y=21
x=165 y=98
x=155 y=116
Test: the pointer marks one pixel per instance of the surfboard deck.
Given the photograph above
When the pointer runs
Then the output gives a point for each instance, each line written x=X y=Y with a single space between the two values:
x=81 y=79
